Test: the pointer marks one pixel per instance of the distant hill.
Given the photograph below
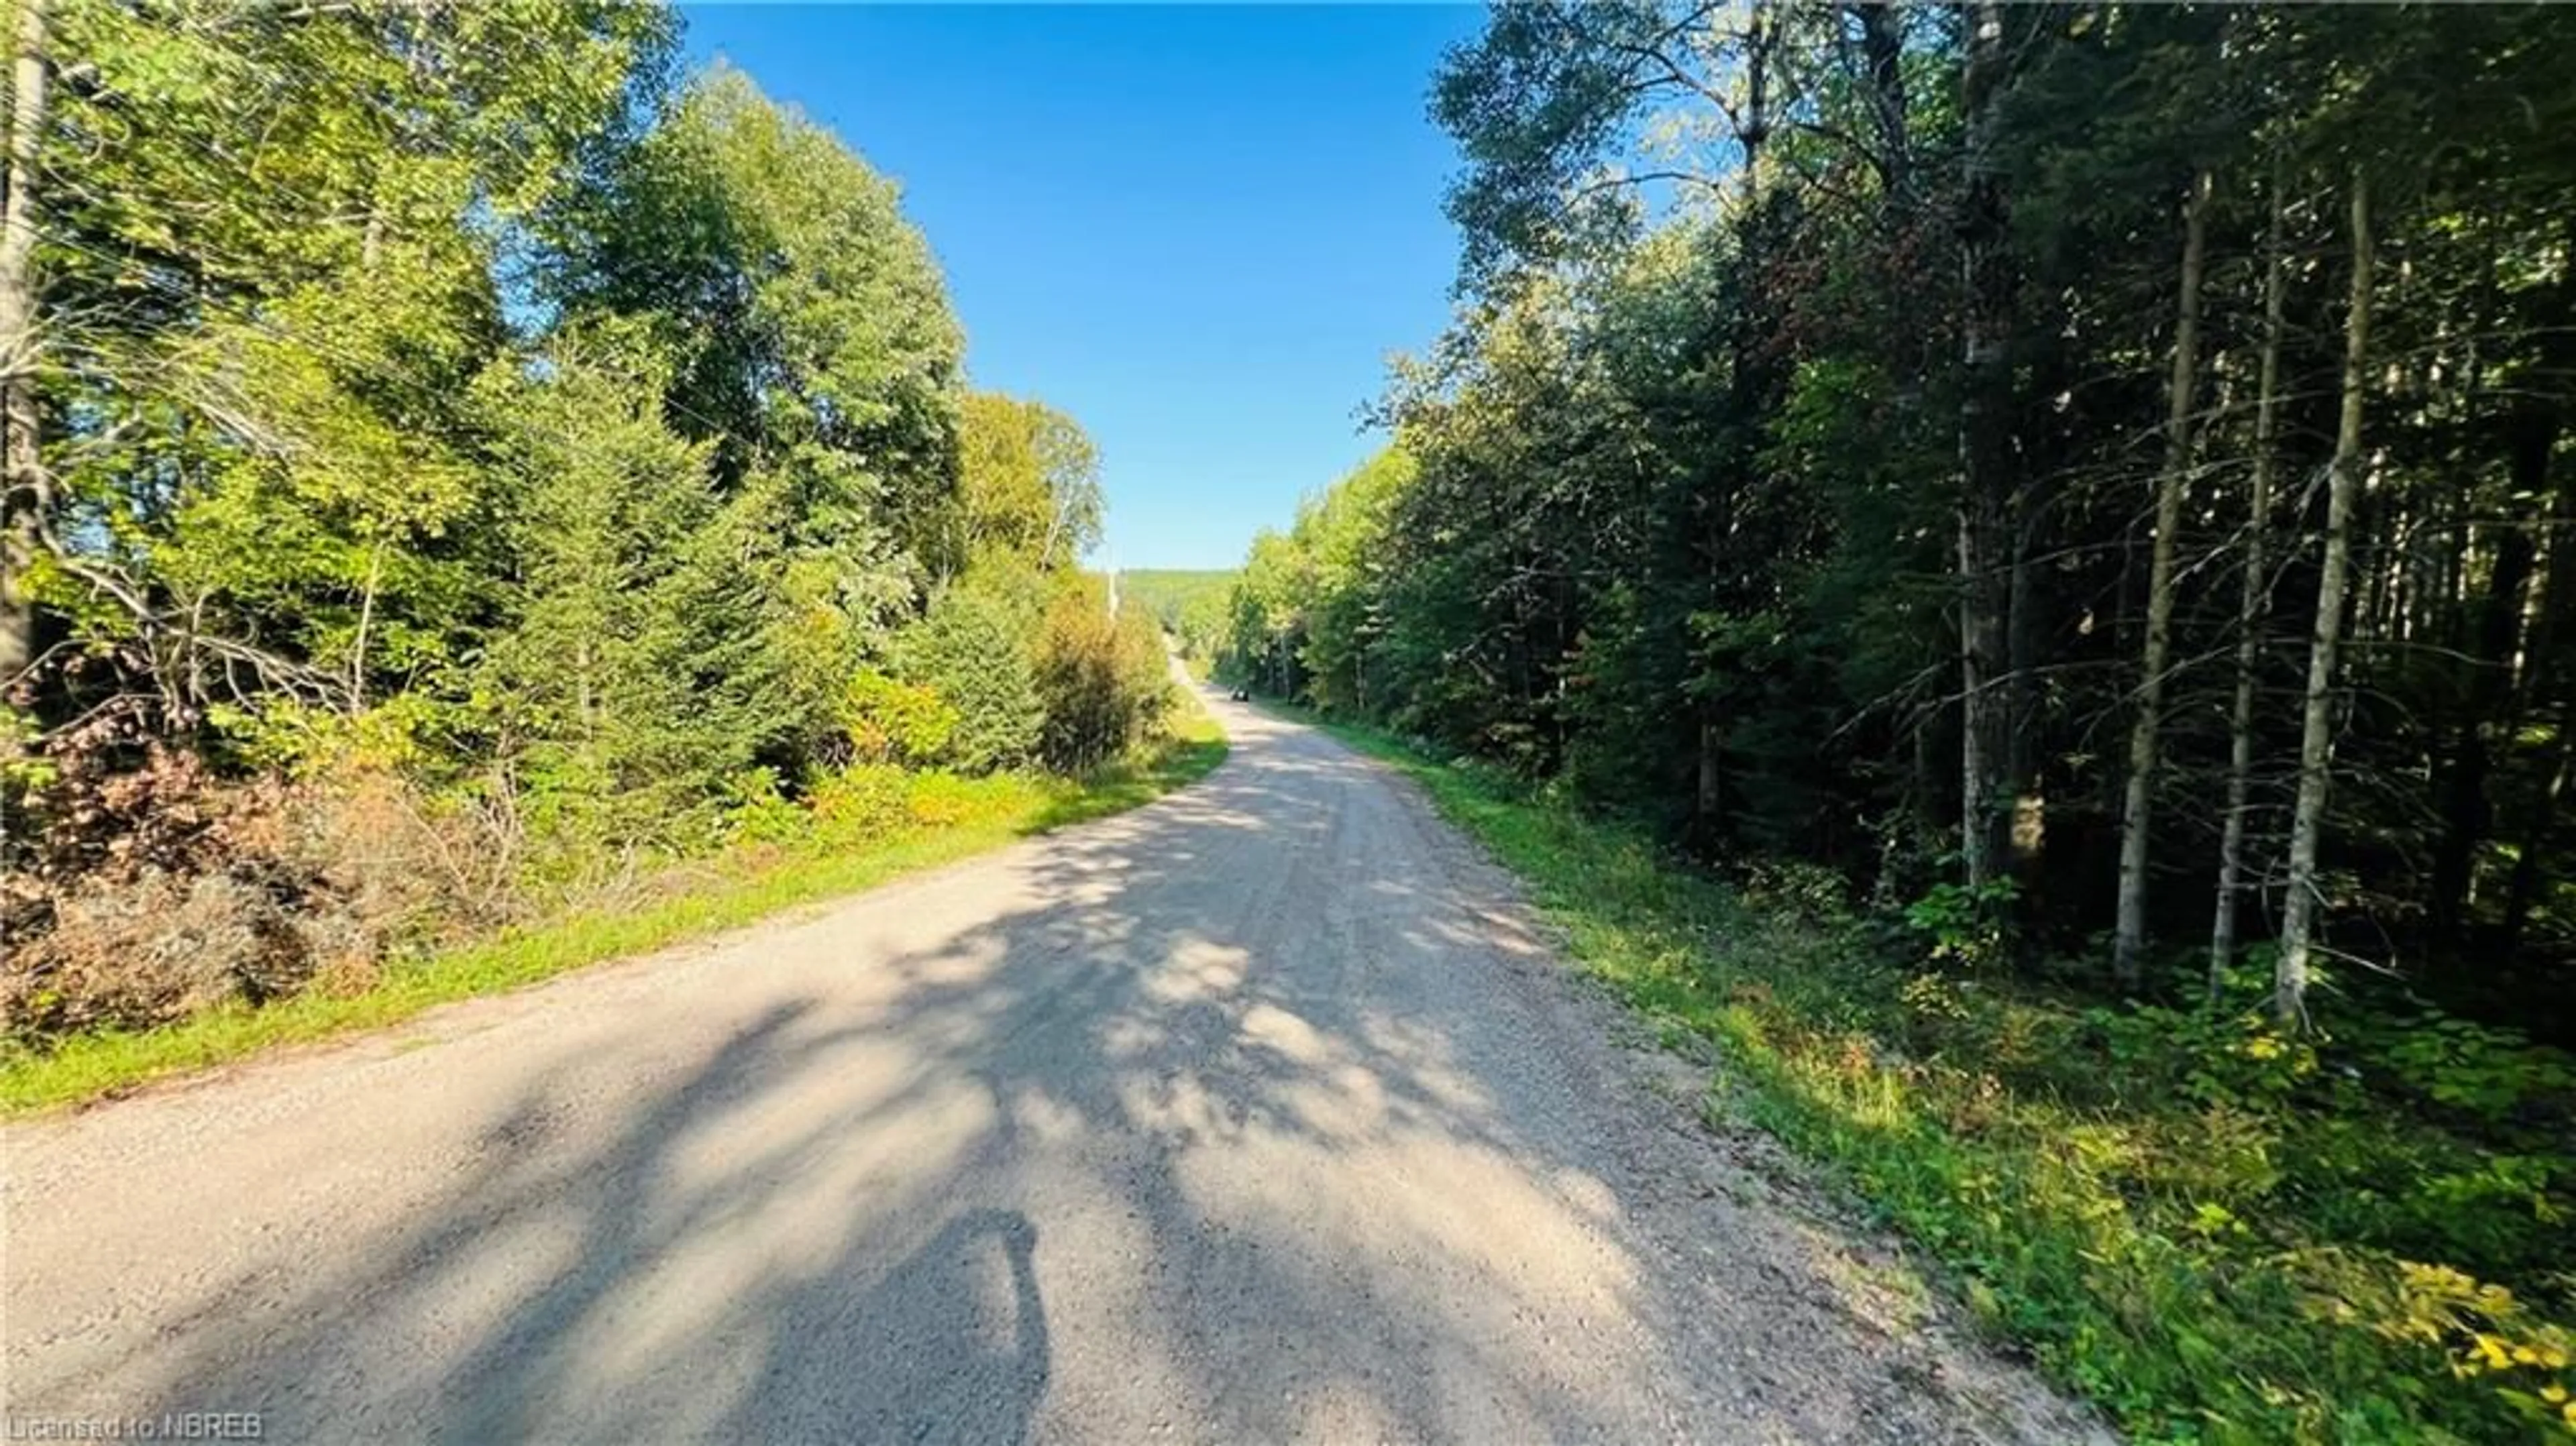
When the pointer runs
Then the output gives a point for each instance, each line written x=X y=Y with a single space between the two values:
x=1191 y=605
x=1169 y=591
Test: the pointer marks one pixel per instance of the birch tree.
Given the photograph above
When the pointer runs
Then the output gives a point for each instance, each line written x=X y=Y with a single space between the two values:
x=25 y=492
x=2129 y=939
x=2316 y=729
x=2253 y=596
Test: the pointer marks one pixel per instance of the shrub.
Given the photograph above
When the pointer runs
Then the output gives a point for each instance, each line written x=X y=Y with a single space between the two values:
x=1104 y=680
x=972 y=649
x=861 y=802
x=281 y=882
x=150 y=949
x=891 y=722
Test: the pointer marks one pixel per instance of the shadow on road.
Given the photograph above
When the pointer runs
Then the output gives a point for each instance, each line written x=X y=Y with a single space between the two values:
x=1304 y=1166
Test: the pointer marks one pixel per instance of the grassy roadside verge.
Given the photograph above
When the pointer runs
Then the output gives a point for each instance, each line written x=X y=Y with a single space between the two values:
x=2177 y=1216
x=704 y=898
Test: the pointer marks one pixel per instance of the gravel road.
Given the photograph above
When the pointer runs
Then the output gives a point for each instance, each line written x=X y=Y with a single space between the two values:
x=1262 y=1113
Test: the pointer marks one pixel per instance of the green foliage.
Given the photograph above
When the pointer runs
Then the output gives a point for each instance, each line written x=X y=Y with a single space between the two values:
x=974 y=650
x=1962 y=925
x=812 y=323
x=269 y=293
x=1341 y=532
x=1532 y=102
x=891 y=722
x=441 y=410
x=1681 y=528
x=1265 y=622
x=615 y=684
x=1029 y=485
x=2216 y=1059
x=2485 y=1072
x=2208 y=1227
x=756 y=811
x=1104 y=680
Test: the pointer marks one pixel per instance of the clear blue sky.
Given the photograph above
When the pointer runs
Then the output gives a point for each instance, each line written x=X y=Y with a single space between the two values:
x=1198 y=229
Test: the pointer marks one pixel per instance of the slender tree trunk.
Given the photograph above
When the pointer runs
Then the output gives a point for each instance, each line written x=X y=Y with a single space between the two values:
x=2467 y=817
x=2024 y=819
x=1752 y=127
x=1883 y=54
x=1985 y=462
x=2254 y=603
x=1882 y=47
x=366 y=621
x=2129 y=939
x=2316 y=738
x=1985 y=714
x=584 y=706
x=25 y=493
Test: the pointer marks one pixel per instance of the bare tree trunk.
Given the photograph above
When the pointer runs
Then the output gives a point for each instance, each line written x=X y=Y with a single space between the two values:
x=2129 y=939
x=1985 y=461
x=585 y=704
x=24 y=491
x=2255 y=597
x=2316 y=738
x=1055 y=528
x=2461 y=781
x=1882 y=44
x=2024 y=809
x=1985 y=733
x=1882 y=30
x=366 y=620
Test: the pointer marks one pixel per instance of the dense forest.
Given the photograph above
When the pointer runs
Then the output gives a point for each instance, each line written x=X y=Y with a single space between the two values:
x=2095 y=481
x=454 y=462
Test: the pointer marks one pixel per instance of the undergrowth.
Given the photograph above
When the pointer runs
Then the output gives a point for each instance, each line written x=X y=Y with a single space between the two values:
x=2213 y=1231
x=862 y=827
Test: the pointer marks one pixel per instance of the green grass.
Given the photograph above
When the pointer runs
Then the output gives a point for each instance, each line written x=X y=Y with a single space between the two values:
x=2180 y=1216
x=713 y=895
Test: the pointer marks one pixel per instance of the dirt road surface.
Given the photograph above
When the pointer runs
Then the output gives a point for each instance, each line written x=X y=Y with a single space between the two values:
x=1262 y=1113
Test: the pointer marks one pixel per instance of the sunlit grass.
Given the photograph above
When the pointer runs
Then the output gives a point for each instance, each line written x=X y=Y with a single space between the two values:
x=692 y=902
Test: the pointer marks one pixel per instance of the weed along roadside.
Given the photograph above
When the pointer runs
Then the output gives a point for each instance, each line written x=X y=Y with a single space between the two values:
x=2263 y=1239
x=808 y=854
x=498 y=601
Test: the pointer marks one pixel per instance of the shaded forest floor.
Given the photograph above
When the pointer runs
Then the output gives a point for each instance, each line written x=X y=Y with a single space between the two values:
x=947 y=819
x=2213 y=1231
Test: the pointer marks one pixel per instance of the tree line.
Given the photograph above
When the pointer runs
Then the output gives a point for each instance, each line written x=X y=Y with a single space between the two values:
x=2098 y=469
x=458 y=404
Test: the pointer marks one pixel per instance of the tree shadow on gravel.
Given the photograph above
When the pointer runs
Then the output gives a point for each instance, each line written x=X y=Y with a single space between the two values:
x=1247 y=1064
